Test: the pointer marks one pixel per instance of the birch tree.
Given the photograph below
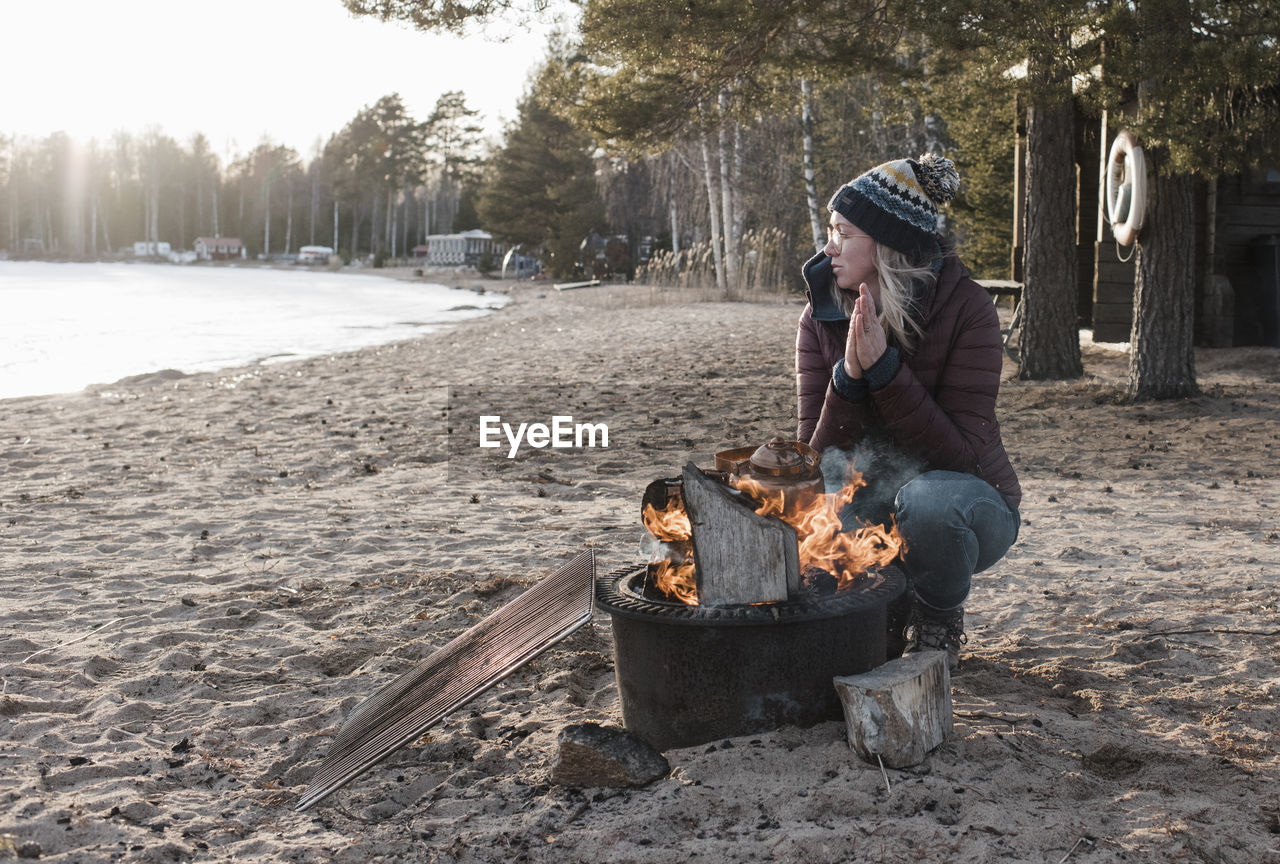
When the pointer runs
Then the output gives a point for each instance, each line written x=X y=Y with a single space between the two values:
x=810 y=186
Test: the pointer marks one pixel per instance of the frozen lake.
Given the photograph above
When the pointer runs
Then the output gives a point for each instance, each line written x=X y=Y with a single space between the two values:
x=65 y=326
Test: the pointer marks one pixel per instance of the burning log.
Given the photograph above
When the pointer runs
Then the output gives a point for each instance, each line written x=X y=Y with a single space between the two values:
x=900 y=711
x=741 y=557
x=663 y=513
x=783 y=481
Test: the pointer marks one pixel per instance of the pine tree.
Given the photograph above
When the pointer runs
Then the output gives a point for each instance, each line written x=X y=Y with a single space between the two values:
x=539 y=190
x=453 y=144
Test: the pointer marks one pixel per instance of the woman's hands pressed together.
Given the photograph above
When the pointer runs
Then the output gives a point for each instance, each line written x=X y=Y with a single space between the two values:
x=866 y=341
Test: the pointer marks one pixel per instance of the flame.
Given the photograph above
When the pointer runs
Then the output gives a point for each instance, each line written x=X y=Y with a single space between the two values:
x=823 y=542
x=669 y=523
x=677 y=580
x=822 y=539
x=673 y=572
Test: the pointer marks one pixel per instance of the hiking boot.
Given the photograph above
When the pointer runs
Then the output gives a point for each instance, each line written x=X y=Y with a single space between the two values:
x=937 y=630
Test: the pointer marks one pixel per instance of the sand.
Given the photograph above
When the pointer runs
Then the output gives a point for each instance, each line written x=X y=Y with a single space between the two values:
x=202 y=575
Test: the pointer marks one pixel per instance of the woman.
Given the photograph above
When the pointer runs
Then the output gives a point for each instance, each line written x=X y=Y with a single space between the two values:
x=898 y=360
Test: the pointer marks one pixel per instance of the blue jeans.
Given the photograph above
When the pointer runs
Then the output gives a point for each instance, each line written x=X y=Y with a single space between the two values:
x=954 y=525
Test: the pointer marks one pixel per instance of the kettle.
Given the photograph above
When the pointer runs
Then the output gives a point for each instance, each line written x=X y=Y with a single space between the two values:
x=786 y=473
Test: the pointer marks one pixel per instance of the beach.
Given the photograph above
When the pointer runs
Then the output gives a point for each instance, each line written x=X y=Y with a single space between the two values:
x=204 y=574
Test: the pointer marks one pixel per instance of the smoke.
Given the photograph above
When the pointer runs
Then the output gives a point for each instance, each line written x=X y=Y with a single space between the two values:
x=884 y=469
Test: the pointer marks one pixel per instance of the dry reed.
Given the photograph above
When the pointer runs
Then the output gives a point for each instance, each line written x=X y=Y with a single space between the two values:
x=690 y=276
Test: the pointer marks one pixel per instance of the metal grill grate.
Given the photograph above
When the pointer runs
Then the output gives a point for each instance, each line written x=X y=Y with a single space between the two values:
x=457 y=673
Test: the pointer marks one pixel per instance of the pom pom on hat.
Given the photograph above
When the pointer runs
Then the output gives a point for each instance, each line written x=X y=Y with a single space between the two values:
x=897 y=203
x=938 y=177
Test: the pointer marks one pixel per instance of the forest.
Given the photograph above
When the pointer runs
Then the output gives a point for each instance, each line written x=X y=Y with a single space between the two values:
x=384 y=178
x=710 y=136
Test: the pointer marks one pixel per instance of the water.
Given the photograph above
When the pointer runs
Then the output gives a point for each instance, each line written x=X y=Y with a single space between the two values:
x=65 y=326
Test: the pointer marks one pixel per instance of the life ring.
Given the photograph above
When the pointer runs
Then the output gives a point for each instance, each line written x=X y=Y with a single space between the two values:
x=1126 y=189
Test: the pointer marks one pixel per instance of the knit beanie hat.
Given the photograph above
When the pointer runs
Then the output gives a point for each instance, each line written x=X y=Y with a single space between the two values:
x=897 y=203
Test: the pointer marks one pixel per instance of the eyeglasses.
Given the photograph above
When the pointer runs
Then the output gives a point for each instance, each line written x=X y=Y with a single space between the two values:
x=837 y=239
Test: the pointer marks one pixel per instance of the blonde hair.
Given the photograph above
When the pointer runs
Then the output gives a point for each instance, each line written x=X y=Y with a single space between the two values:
x=902 y=284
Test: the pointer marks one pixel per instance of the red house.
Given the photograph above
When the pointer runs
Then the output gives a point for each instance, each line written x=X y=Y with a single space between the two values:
x=219 y=248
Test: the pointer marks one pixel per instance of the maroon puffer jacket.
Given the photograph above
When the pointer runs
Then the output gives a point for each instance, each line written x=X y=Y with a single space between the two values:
x=941 y=403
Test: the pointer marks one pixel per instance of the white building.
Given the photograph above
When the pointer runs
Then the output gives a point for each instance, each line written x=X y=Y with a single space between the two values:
x=455 y=250
x=314 y=254
x=143 y=249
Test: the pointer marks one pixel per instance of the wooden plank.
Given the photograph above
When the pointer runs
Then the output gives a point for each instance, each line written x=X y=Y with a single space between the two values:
x=1241 y=235
x=1113 y=294
x=1262 y=215
x=1254 y=198
x=741 y=557
x=1000 y=286
x=900 y=711
x=1112 y=270
x=1113 y=313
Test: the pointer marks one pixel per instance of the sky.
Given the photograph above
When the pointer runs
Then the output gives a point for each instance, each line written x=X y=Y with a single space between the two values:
x=238 y=70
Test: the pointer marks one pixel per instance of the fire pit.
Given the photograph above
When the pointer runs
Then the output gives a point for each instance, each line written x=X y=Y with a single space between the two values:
x=691 y=674
x=757 y=595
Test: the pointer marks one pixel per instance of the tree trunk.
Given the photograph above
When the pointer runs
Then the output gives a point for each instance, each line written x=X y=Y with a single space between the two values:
x=726 y=200
x=389 y=235
x=715 y=213
x=739 y=212
x=355 y=228
x=335 y=225
x=315 y=205
x=404 y=225
x=288 y=224
x=93 y=226
x=1161 y=356
x=672 y=207
x=395 y=223
x=1050 y=339
x=1161 y=359
x=182 y=217
x=155 y=217
x=106 y=235
x=810 y=185
x=266 y=222
x=214 y=201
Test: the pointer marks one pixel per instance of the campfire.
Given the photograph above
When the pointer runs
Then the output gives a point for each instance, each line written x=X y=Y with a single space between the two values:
x=755 y=600
x=780 y=481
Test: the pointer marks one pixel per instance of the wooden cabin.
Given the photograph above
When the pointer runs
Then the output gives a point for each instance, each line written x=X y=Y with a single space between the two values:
x=1237 y=243
x=219 y=248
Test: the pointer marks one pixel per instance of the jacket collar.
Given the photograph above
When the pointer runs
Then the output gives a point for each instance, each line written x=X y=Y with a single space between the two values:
x=817 y=276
